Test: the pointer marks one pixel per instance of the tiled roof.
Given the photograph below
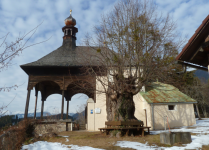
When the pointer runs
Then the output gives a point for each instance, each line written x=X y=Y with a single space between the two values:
x=158 y=92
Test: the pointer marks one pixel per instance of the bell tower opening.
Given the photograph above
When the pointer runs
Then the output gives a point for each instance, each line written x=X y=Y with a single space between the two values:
x=70 y=31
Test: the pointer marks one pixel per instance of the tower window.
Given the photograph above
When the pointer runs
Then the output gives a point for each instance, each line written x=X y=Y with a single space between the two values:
x=171 y=107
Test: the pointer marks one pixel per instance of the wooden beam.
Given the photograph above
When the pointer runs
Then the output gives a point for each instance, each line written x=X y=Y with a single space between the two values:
x=62 y=104
x=42 y=109
x=197 y=111
x=27 y=105
x=145 y=116
x=35 y=107
x=36 y=94
x=153 y=118
x=67 y=109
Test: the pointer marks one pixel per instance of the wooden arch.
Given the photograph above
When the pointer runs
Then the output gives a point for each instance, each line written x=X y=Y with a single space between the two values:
x=67 y=86
x=81 y=86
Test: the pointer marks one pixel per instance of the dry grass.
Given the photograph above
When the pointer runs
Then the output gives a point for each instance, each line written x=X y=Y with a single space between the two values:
x=97 y=140
x=205 y=147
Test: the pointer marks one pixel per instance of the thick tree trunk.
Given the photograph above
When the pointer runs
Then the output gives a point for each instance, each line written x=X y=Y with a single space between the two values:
x=121 y=109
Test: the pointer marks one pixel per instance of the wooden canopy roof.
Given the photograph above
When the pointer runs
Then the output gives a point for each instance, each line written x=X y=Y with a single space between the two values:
x=59 y=61
x=194 y=54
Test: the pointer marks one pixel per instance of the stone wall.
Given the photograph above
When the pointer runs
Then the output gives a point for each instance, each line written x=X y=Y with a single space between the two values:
x=51 y=127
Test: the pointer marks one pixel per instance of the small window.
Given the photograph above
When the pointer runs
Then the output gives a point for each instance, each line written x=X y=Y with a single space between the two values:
x=171 y=107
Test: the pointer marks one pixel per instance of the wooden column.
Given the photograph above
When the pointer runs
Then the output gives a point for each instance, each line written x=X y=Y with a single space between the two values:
x=67 y=109
x=62 y=108
x=27 y=105
x=42 y=109
x=153 y=118
x=35 y=105
x=145 y=116
x=197 y=111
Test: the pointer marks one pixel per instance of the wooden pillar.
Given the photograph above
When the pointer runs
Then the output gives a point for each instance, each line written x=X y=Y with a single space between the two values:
x=66 y=126
x=197 y=111
x=153 y=118
x=145 y=116
x=27 y=105
x=35 y=105
x=67 y=109
x=42 y=109
x=62 y=104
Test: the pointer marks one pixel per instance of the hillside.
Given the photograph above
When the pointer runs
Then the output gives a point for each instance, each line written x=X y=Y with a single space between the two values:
x=202 y=75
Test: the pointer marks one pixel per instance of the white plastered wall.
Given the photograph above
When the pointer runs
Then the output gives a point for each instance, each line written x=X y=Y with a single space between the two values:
x=182 y=115
x=140 y=106
x=90 y=117
x=95 y=120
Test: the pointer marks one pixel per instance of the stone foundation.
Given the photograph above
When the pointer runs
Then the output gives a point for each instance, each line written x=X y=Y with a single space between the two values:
x=51 y=127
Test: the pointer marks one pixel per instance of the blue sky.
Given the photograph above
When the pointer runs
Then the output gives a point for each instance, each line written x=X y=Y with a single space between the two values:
x=19 y=17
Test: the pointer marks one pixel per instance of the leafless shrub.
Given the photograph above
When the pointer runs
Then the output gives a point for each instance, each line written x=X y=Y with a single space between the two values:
x=199 y=91
x=14 y=137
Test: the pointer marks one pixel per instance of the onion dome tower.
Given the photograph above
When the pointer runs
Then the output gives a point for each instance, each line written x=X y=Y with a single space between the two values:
x=60 y=71
x=70 y=31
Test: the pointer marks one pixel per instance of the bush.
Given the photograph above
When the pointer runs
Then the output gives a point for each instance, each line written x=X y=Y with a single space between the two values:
x=15 y=136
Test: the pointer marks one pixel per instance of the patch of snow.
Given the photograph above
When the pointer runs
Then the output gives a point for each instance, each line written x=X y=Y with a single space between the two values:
x=135 y=145
x=201 y=129
x=65 y=136
x=43 y=145
x=67 y=140
x=203 y=123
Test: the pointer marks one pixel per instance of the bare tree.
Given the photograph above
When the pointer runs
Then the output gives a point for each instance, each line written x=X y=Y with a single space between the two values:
x=133 y=45
x=8 y=51
x=199 y=91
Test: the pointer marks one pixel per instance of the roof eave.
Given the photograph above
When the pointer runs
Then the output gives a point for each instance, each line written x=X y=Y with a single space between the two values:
x=193 y=65
x=172 y=103
x=192 y=39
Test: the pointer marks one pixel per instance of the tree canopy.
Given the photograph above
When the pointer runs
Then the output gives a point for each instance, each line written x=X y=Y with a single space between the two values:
x=137 y=45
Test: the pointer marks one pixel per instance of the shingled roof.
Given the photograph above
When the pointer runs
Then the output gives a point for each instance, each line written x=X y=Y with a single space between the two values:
x=68 y=57
x=158 y=92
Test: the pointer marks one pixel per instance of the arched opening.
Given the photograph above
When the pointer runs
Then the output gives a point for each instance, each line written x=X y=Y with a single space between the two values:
x=51 y=100
x=80 y=86
x=52 y=104
x=47 y=88
x=78 y=101
x=78 y=109
x=43 y=90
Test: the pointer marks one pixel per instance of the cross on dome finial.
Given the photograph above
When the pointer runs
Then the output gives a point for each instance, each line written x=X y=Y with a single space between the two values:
x=70 y=11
